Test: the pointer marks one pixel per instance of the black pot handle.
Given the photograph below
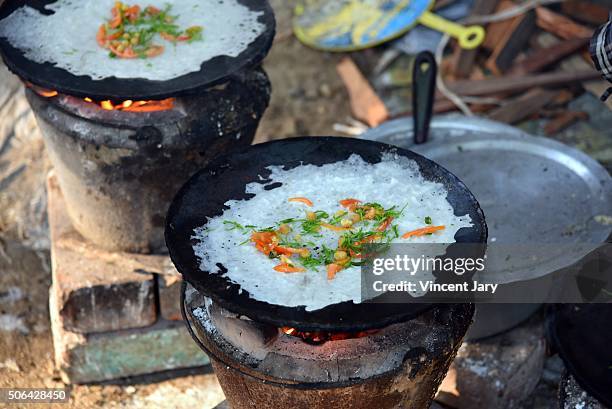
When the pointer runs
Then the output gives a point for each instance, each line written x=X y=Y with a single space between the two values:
x=423 y=93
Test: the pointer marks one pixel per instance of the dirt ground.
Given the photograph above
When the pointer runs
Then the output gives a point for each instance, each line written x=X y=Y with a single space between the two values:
x=308 y=99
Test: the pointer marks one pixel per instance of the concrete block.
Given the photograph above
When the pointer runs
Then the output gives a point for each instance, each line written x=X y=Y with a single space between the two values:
x=498 y=372
x=112 y=355
x=98 y=291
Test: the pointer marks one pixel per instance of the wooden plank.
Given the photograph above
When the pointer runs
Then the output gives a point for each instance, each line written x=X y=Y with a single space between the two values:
x=561 y=25
x=520 y=108
x=542 y=58
x=512 y=41
x=365 y=103
x=564 y=120
x=519 y=84
x=464 y=60
x=497 y=30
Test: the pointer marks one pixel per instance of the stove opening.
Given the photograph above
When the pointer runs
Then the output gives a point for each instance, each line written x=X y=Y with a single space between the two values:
x=109 y=105
x=321 y=337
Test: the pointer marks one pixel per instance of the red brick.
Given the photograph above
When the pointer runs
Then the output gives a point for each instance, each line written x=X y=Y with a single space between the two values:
x=98 y=291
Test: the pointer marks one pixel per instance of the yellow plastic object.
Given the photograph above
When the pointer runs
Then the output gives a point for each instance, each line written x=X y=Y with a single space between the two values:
x=469 y=37
x=350 y=25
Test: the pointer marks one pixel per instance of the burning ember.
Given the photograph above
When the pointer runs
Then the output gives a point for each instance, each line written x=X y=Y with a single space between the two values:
x=320 y=337
x=135 y=106
x=108 y=105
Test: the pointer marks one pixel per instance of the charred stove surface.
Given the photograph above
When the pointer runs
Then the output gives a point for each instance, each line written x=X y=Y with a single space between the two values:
x=119 y=170
x=400 y=366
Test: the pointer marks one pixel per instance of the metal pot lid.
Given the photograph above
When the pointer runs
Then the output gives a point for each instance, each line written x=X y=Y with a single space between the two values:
x=213 y=71
x=533 y=190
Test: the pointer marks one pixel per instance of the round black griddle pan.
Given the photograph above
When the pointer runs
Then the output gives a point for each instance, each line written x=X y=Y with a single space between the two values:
x=211 y=72
x=582 y=334
x=206 y=193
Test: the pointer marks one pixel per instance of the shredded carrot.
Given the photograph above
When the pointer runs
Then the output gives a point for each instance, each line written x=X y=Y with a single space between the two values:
x=286 y=268
x=334 y=228
x=304 y=200
x=127 y=53
x=117 y=19
x=265 y=242
x=152 y=10
x=350 y=203
x=154 y=51
x=173 y=38
x=264 y=236
x=167 y=36
x=332 y=270
x=423 y=231
x=115 y=35
x=132 y=13
x=368 y=239
x=265 y=248
x=384 y=225
x=101 y=36
x=288 y=251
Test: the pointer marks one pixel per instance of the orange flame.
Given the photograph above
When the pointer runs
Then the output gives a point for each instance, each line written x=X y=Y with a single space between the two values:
x=320 y=337
x=138 y=106
x=127 y=105
x=47 y=94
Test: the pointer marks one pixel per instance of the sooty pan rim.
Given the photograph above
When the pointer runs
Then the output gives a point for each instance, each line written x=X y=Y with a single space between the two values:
x=192 y=205
x=212 y=72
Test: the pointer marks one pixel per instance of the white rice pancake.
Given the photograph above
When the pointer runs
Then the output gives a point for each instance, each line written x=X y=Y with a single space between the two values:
x=395 y=181
x=67 y=38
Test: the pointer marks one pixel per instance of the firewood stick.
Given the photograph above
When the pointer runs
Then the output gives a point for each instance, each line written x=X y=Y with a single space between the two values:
x=564 y=120
x=464 y=61
x=518 y=84
x=523 y=106
x=560 y=25
x=366 y=105
x=544 y=57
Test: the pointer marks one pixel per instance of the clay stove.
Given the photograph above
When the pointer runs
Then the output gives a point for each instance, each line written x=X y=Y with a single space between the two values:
x=120 y=163
x=381 y=353
x=262 y=366
x=122 y=146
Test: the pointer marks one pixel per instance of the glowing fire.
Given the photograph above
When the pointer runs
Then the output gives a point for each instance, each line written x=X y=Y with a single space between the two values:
x=108 y=105
x=136 y=106
x=320 y=337
x=46 y=94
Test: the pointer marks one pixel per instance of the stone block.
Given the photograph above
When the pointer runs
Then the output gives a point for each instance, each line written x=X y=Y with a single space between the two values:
x=498 y=372
x=100 y=357
x=98 y=291
x=169 y=287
